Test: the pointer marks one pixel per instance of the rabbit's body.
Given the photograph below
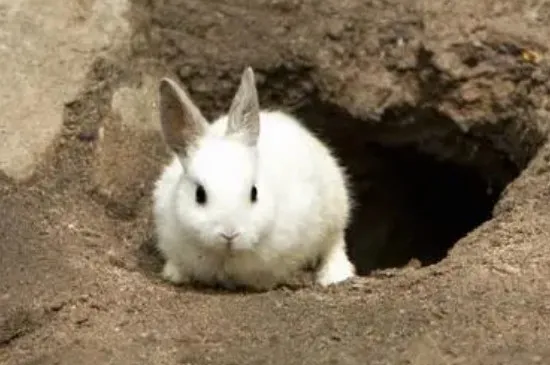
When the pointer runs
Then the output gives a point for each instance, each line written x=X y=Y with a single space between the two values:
x=300 y=215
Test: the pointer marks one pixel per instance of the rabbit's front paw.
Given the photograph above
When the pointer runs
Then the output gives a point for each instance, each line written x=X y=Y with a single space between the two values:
x=172 y=273
x=336 y=267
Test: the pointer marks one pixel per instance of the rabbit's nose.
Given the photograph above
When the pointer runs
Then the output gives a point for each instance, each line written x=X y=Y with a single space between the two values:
x=229 y=235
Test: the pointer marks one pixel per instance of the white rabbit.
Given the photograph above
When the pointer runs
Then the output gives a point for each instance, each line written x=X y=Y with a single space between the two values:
x=249 y=199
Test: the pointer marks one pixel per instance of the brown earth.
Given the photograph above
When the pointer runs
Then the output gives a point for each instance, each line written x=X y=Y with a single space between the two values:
x=438 y=109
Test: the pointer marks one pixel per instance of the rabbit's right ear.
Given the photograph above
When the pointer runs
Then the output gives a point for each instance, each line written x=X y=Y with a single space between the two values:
x=244 y=112
x=182 y=122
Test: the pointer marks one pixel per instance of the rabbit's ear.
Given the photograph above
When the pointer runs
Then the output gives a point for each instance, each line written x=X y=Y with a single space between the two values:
x=244 y=113
x=181 y=121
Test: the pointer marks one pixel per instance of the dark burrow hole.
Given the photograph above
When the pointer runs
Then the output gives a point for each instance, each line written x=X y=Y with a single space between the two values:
x=409 y=205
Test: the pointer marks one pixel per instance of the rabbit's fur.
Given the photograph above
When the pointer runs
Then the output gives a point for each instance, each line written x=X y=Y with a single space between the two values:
x=249 y=199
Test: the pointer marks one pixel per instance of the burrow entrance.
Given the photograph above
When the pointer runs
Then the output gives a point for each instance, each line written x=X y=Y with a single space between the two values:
x=410 y=205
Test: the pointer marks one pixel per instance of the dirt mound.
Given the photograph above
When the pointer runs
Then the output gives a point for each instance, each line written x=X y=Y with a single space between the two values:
x=440 y=113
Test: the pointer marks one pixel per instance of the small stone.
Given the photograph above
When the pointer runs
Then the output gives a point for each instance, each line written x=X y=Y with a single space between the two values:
x=336 y=338
x=123 y=323
x=81 y=321
x=96 y=305
x=414 y=263
x=57 y=306
x=84 y=298
x=335 y=29
x=148 y=336
x=78 y=316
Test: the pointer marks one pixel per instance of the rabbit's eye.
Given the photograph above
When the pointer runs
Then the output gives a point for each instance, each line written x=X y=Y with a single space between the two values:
x=254 y=194
x=200 y=195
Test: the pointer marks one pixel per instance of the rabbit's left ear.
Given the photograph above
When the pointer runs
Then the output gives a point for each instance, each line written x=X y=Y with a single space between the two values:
x=244 y=113
x=181 y=120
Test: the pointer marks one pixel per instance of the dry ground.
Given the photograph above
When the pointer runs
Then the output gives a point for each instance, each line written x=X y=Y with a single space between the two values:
x=382 y=81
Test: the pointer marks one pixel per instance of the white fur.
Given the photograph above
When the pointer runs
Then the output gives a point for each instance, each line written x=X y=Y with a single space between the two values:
x=300 y=216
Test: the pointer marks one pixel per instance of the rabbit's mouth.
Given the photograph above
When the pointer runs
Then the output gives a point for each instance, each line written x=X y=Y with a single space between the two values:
x=233 y=250
x=229 y=248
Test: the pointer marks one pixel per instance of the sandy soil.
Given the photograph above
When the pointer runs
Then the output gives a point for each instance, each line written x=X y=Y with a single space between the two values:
x=440 y=112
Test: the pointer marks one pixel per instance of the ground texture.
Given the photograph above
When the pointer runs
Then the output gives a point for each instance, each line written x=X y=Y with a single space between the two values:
x=439 y=109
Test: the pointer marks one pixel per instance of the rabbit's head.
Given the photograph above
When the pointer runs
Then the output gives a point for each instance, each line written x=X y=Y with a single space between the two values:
x=220 y=200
